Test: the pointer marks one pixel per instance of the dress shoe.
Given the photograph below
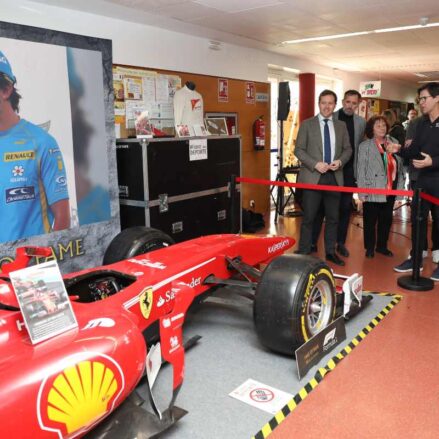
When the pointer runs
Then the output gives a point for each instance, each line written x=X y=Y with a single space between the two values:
x=370 y=253
x=333 y=257
x=384 y=251
x=342 y=250
x=313 y=248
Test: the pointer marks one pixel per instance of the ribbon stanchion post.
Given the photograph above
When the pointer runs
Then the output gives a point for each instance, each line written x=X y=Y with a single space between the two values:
x=415 y=282
x=232 y=196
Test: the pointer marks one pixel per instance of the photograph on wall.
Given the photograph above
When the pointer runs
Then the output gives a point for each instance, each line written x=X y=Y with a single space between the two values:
x=43 y=300
x=52 y=139
x=216 y=126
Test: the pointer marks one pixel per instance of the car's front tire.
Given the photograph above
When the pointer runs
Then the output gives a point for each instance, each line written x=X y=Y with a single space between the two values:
x=294 y=300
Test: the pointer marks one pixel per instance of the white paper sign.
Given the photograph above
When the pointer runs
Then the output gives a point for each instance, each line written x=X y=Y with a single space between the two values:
x=197 y=149
x=262 y=97
x=370 y=89
x=261 y=396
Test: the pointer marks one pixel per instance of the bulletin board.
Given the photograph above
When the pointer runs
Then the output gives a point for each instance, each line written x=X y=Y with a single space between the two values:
x=138 y=90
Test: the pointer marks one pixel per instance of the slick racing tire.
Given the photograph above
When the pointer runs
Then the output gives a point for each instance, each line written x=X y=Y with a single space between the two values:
x=294 y=300
x=135 y=241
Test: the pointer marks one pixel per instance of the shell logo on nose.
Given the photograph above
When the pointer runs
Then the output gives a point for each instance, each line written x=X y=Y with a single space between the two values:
x=74 y=399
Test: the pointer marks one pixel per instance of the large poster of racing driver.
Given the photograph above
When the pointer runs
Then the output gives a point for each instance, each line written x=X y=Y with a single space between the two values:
x=55 y=165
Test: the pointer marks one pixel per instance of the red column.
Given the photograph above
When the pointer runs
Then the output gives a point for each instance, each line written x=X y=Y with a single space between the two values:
x=307 y=87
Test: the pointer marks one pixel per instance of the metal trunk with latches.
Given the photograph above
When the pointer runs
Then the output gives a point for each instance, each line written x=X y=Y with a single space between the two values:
x=180 y=186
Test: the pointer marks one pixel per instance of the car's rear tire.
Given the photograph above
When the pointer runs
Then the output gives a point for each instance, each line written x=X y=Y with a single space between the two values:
x=135 y=241
x=294 y=300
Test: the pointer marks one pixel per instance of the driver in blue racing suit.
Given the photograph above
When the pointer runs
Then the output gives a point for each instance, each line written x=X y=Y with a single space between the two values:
x=33 y=186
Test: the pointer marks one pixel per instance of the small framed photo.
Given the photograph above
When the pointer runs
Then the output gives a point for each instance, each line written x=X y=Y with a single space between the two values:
x=144 y=128
x=200 y=131
x=216 y=126
x=183 y=130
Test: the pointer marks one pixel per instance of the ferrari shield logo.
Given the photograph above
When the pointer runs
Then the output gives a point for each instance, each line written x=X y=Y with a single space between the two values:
x=146 y=302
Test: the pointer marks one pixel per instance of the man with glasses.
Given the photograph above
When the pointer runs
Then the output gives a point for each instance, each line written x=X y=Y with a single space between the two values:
x=33 y=185
x=424 y=151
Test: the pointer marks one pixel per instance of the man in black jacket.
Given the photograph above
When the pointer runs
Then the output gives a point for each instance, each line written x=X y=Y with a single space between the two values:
x=424 y=151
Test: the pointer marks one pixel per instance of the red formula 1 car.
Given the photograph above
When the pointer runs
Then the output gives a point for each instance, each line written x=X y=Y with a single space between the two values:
x=68 y=385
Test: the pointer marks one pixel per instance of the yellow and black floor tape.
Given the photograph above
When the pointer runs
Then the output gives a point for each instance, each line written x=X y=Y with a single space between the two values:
x=320 y=374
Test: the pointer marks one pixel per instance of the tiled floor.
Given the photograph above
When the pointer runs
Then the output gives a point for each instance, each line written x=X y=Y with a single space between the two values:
x=389 y=386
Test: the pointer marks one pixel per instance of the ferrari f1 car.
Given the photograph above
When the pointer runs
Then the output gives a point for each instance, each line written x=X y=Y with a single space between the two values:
x=68 y=385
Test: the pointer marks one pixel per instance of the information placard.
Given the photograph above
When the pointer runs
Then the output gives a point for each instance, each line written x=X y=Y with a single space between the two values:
x=43 y=300
x=311 y=352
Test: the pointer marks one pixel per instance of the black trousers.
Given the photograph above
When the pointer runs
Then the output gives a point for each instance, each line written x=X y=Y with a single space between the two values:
x=377 y=220
x=431 y=187
x=434 y=227
x=311 y=202
x=344 y=214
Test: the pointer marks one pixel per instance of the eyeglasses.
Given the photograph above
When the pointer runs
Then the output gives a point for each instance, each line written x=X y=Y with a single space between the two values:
x=424 y=98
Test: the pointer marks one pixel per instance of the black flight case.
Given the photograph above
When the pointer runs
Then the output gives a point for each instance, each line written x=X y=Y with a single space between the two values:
x=180 y=186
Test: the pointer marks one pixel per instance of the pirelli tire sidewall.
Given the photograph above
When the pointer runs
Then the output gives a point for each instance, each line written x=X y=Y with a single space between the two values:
x=282 y=301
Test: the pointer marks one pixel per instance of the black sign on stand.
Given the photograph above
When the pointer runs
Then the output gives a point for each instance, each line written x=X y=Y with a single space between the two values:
x=311 y=352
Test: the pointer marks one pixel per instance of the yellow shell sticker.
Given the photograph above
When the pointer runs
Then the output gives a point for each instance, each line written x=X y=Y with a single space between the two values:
x=145 y=301
x=75 y=398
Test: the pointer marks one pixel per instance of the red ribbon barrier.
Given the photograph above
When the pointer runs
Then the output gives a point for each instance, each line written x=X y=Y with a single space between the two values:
x=430 y=198
x=322 y=187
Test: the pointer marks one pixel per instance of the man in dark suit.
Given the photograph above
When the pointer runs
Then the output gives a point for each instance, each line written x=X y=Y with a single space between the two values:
x=355 y=125
x=424 y=153
x=323 y=148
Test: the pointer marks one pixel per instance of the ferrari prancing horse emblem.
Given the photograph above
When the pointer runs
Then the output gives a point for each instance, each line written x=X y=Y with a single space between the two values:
x=146 y=302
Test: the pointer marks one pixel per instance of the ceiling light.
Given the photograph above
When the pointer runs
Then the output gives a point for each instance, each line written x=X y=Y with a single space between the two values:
x=396 y=29
x=356 y=34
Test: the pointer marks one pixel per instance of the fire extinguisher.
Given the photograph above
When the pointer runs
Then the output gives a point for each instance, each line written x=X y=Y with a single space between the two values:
x=259 y=133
